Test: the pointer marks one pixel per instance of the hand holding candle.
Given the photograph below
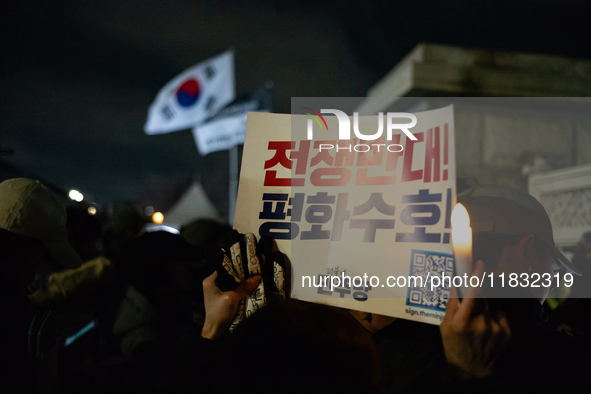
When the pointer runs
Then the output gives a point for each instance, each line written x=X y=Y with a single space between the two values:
x=461 y=235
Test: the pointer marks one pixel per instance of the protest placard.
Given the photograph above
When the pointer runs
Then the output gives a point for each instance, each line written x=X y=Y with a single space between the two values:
x=374 y=213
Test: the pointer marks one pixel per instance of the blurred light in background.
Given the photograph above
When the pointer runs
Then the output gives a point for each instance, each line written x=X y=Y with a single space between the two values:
x=149 y=210
x=91 y=210
x=76 y=195
x=157 y=217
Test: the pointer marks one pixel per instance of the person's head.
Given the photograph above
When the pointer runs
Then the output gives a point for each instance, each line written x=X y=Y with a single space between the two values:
x=582 y=253
x=125 y=225
x=512 y=233
x=301 y=347
x=205 y=232
x=34 y=224
x=84 y=232
x=581 y=288
x=159 y=260
x=372 y=321
x=128 y=221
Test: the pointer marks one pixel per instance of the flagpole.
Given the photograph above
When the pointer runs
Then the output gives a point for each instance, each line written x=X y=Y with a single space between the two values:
x=233 y=186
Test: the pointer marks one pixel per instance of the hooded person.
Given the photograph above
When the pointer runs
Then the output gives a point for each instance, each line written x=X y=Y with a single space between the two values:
x=512 y=236
x=31 y=210
x=33 y=236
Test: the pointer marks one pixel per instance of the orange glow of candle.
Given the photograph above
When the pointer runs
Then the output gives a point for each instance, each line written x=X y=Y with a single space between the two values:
x=460 y=225
x=158 y=217
x=461 y=235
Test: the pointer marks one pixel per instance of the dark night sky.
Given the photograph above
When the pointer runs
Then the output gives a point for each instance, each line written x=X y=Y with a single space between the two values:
x=77 y=77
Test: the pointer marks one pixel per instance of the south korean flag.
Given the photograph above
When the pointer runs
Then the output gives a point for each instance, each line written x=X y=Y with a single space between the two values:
x=193 y=96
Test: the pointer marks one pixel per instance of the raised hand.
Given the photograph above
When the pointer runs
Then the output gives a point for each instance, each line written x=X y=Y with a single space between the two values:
x=221 y=306
x=473 y=336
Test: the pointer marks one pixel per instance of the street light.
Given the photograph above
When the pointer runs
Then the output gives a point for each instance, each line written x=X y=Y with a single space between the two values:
x=76 y=195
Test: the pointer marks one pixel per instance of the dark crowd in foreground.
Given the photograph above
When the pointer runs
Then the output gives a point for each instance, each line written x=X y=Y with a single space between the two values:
x=123 y=307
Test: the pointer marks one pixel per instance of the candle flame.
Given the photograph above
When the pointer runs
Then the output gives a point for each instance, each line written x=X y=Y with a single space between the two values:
x=460 y=217
x=158 y=217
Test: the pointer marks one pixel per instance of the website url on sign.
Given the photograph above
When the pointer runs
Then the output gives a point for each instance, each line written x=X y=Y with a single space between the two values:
x=435 y=281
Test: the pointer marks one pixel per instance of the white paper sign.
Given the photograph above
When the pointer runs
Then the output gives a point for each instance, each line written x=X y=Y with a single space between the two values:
x=376 y=212
x=220 y=134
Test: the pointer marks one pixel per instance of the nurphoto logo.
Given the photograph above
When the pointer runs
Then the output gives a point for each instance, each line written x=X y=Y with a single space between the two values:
x=345 y=129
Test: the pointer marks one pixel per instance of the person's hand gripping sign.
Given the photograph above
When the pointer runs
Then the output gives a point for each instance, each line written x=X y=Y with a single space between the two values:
x=248 y=275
